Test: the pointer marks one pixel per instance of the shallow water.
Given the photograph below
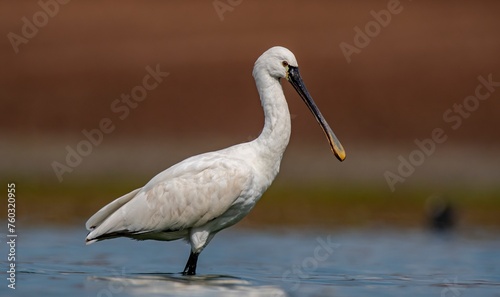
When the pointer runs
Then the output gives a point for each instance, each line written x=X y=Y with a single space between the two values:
x=54 y=261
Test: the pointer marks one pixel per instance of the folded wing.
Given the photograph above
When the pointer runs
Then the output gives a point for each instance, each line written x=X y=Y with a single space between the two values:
x=187 y=195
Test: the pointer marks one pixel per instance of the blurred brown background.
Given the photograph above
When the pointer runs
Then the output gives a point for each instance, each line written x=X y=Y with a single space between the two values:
x=428 y=58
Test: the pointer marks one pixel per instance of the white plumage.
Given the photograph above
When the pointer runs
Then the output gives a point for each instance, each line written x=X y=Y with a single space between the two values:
x=204 y=194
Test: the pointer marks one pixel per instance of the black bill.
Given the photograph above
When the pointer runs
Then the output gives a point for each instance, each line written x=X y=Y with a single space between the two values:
x=296 y=81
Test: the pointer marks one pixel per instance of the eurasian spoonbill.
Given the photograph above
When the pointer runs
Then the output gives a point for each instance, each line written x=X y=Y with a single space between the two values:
x=200 y=196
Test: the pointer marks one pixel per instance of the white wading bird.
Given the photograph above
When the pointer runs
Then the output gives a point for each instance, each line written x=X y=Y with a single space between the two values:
x=204 y=194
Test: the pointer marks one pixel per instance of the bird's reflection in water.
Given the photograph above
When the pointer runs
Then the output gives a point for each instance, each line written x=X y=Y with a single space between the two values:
x=171 y=284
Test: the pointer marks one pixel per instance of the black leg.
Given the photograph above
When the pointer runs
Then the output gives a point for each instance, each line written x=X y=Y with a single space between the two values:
x=190 y=268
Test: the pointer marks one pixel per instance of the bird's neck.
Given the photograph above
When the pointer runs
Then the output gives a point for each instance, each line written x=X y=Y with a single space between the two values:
x=275 y=136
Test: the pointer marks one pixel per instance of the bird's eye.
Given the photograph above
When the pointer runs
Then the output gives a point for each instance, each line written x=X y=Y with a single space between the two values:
x=284 y=63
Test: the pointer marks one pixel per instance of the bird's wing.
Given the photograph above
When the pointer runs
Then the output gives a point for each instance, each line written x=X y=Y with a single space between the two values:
x=186 y=195
x=107 y=210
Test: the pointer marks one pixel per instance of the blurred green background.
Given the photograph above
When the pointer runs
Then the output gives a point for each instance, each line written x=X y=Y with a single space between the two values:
x=408 y=75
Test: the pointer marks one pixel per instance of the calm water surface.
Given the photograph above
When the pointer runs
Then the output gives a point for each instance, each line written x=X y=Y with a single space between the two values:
x=54 y=261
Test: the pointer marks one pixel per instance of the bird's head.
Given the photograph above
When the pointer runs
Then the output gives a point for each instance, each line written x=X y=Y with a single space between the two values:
x=279 y=62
